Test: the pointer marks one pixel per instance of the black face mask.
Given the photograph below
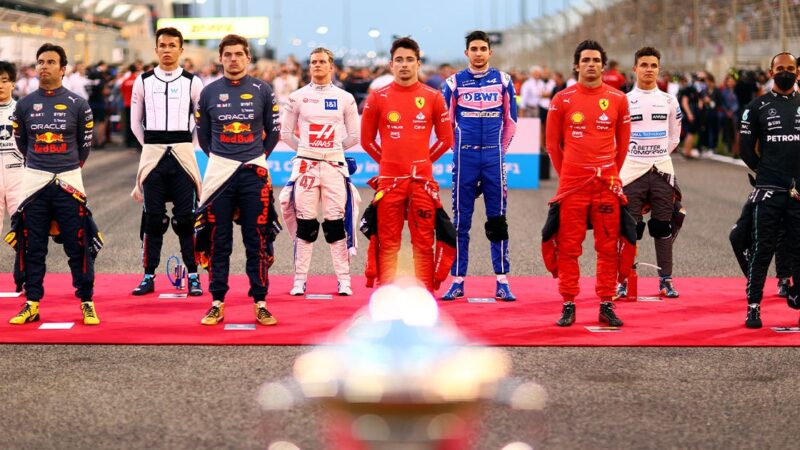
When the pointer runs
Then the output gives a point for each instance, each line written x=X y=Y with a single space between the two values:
x=785 y=80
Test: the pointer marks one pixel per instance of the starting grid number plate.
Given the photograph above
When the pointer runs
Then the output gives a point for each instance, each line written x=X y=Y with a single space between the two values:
x=481 y=300
x=786 y=329
x=319 y=297
x=240 y=327
x=172 y=295
x=56 y=325
x=604 y=329
x=10 y=294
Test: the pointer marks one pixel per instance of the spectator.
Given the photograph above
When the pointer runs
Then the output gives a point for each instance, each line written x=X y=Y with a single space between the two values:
x=730 y=118
x=613 y=77
x=711 y=115
x=97 y=101
x=531 y=92
x=688 y=99
x=126 y=89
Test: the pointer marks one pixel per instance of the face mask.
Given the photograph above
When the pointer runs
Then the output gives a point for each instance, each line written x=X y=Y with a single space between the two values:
x=785 y=80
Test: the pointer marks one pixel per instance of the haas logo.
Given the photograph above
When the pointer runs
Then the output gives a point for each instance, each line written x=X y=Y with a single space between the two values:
x=321 y=136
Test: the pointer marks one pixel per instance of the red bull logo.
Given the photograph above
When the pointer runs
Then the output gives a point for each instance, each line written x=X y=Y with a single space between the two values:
x=50 y=142
x=236 y=127
x=50 y=137
x=236 y=133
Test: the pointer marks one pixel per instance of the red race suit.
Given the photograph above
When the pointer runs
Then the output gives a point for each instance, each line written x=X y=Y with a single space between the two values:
x=404 y=117
x=588 y=132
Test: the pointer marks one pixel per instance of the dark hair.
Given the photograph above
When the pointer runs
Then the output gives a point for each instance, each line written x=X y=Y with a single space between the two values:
x=169 y=31
x=589 y=45
x=234 y=39
x=478 y=35
x=772 y=62
x=405 y=42
x=9 y=69
x=646 y=51
x=48 y=47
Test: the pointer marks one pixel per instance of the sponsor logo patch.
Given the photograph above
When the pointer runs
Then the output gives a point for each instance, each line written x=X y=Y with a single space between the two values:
x=393 y=117
x=331 y=104
x=481 y=98
x=321 y=135
x=60 y=106
x=246 y=96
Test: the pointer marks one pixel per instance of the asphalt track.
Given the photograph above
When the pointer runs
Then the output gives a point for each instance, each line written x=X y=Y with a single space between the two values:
x=206 y=397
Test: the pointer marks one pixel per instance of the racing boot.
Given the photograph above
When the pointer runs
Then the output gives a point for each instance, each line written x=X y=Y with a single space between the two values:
x=89 y=313
x=567 y=315
x=753 y=316
x=147 y=285
x=299 y=287
x=195 y=290
x=28 y=313
x=344 y=288
x=783 y=287
x=608 y=316
x=793 y=297
x=215 y=314
x=622 y=289
x=666 y=289
x=455 y=291
x=503 y=292
x=263 y=316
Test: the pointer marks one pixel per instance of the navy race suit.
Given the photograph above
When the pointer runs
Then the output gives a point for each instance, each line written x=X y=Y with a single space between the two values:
x=238 y=121
x=53 y=130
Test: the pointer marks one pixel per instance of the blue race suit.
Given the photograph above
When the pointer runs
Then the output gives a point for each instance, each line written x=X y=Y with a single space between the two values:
x=483 y=111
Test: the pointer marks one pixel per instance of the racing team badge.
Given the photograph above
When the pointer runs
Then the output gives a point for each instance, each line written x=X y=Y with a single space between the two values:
x=420 y=102
x=603 y=104
x=321 y=135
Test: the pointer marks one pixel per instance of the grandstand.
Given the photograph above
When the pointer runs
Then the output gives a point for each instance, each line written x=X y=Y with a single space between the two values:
x=692 y=34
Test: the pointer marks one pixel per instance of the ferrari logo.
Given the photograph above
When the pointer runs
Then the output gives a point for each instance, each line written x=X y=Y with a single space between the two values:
x=420 y=102
x=604 y=104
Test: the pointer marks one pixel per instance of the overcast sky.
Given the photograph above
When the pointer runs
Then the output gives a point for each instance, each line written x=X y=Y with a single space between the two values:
x=439 y=26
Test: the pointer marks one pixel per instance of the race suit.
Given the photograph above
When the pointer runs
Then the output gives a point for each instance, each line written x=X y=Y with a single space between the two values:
x=237 y=126
x=53 y=130
x=405 y=116
x=588 y=131
x=328 y=124
x=648 y=176
x=771 y=122
x=11 y=164
x=483 y=110
x=162 y=119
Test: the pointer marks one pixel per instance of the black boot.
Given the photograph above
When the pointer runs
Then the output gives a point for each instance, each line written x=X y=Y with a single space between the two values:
x=608 y=316
x=567 y=315
x=753 y=316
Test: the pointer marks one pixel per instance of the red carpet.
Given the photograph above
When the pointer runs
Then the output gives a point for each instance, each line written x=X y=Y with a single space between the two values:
x=710 y=312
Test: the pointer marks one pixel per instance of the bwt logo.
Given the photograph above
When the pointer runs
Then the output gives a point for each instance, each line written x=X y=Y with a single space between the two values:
x=321 y=135
x=481 y=98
